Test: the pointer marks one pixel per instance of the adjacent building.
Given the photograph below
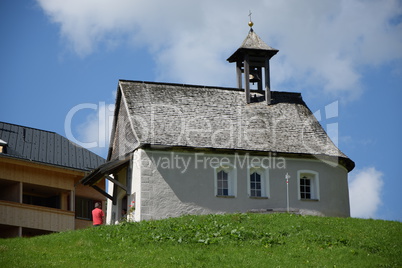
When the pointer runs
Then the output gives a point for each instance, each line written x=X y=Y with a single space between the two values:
x=40 y=191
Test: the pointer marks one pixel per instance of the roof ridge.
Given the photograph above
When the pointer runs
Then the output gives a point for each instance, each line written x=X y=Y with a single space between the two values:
x=2 y=122
x=181 y=84
x=200 y=86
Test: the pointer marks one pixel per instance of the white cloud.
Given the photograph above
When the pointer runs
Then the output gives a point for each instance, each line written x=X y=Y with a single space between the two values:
x=94 y=133
x=323 y=44
x=365 y=188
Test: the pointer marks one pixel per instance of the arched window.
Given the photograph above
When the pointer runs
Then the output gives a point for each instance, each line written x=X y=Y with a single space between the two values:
x=225 y=181
x=308 y=185
x=258 y=184
x=255 y=185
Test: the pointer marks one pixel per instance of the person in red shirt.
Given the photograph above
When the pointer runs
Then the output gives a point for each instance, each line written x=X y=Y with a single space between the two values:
x=97 y=214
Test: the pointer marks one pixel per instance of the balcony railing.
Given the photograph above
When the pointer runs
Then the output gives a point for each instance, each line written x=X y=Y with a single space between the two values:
x=36 y=217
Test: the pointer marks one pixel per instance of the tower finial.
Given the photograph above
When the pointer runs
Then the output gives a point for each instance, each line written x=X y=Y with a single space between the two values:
x=250 y=23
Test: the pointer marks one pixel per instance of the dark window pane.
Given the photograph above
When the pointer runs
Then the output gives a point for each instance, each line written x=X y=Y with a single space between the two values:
x=222 y=183
x=255 y=184
x=83 y=208
x=222 y=175
x=305 y=188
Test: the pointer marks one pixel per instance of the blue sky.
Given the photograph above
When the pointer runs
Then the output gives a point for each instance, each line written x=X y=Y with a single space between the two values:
x=61 y=62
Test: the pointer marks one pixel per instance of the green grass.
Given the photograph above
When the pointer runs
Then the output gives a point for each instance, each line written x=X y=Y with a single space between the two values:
x=232 y=240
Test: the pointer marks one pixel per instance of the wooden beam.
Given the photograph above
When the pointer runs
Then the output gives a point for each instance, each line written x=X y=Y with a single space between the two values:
x=267 y=83
x=117 y=183
x=6 y=159
x=239 y=73
x=259 y=71
x=104 y=193
x=21 y=193
x=72 y=200
x=247 y=77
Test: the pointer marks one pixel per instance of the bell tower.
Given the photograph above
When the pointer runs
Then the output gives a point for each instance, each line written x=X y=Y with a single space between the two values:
x=252 y=60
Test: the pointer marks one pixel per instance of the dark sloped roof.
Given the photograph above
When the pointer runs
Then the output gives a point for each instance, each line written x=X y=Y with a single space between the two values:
x=253 y=45
x=46 y=147
x=219 y=118
x=106 y=168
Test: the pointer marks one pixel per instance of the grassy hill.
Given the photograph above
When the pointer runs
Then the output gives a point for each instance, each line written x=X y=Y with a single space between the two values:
x=232 y=240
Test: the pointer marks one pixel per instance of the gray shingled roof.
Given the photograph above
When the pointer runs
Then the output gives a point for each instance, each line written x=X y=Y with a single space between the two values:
x=252 y=45
x=46 y=147
x=218 y=118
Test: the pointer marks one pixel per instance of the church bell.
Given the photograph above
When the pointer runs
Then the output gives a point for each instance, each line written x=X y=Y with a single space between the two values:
x=254 y=78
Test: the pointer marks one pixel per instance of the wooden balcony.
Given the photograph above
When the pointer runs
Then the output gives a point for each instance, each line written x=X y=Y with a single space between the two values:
x=36 y=217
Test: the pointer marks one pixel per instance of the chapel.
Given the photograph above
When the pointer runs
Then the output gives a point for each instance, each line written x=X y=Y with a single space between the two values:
x=196 y=149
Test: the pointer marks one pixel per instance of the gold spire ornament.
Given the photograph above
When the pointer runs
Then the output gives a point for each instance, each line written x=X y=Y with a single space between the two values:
x=250 y=23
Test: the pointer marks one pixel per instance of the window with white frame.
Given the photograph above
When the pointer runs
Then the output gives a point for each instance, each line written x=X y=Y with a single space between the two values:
x=255 y=185
x=308 y=185
x=258 y=184
x=225 y=181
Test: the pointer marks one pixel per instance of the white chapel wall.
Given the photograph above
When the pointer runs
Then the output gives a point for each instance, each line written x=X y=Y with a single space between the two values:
x=170 y=184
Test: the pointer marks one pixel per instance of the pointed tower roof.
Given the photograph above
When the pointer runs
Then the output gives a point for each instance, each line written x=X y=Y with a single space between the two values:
x=254 y=46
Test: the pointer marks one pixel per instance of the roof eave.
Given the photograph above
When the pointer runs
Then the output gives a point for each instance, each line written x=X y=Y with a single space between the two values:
x=13 y=157
x=240 y=52
x=105 y=169
x=332 y=160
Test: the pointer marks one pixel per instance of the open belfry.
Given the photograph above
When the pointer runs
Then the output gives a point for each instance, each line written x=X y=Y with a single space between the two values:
x=252 y=60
